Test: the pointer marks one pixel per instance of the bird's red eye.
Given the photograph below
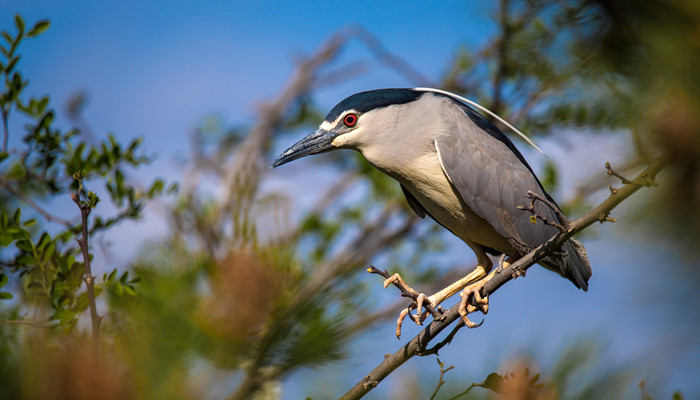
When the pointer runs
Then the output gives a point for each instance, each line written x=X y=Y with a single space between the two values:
x=350 y=120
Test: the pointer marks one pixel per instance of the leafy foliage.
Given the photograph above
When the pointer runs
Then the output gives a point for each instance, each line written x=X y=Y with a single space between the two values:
x=37 y=251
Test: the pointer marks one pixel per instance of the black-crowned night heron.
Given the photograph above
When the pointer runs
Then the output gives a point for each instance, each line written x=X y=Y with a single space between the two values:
x=455 y=166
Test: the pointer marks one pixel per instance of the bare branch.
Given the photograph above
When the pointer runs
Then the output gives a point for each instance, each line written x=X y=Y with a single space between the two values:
x=642 y=180
x=384 y=56
x=88 y=278
x=6 y=131
x=440 y=380
x=31 y=203
x=531 y=208
x=37 y=324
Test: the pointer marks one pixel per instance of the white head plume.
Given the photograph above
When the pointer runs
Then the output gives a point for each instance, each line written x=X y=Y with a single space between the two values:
x=486 y=110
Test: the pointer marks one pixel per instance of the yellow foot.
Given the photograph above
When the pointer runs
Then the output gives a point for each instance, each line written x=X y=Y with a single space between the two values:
x=473 y=301
x=466 y=306
x=422 y=304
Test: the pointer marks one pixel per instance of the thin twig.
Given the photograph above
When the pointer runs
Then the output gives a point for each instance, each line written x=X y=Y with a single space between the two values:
x=6 y=130
x=31 y=203
x=615 y=174
x=641 y=180
x=384 y=56
x=27 y=323
x=442 y=375
x=563 y=222
x=466 y=392
x=448 y=339
x=88 y=278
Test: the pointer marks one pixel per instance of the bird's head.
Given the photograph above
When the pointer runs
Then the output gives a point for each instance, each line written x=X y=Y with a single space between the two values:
x=352 y=123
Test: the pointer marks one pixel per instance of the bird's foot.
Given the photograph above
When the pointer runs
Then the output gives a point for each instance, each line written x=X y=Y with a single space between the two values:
x=422 y=304
x=473 y=301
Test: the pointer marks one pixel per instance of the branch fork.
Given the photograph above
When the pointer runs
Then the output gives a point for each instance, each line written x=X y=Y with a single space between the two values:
x=562 y=225
x=85 y=209
x=644 y=179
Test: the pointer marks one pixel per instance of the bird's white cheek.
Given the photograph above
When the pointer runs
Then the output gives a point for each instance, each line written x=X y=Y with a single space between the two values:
x=348 y=140
x=340 y=141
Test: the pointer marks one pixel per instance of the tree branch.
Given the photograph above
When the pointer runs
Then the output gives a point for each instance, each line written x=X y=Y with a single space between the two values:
x=6 y=131
x=31 y=203
x=88 y=278
x=419 y=344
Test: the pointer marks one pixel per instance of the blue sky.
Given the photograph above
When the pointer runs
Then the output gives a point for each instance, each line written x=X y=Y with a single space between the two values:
x=157 y=68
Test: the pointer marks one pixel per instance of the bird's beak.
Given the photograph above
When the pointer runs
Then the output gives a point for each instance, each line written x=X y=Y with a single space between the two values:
x=315 y=143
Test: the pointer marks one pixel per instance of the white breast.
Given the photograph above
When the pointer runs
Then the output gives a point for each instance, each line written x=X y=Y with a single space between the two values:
x=426 y=181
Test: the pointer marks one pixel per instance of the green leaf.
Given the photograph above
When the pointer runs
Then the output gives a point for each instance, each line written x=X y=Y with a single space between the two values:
x=5 y=296
x=39 y=28
x=3 y=155
x=29 y=222
x=47 y=120
x=8 y=37
x=156 y=187
x=172 y=188
x=65 y=316
x=16 y=172
x=83 y=302
x=3 y=280
x=134 y=144
x=50 y=249
x=93 y=199
x=494 y=382
x=18 y=216
x=11 y=65
x=19 y=22
x=44 y=240
x=6 y=239
x=119 y=180
x=25 y=245
x=41 y=105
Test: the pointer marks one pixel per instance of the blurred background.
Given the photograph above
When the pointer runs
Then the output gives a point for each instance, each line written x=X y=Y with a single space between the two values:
x=219 y=278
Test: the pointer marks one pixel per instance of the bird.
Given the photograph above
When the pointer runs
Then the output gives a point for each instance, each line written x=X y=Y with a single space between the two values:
x=456 y=167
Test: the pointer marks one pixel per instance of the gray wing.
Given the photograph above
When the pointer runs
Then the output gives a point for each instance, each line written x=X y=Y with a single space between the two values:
x=493 y=182
x=415 y=205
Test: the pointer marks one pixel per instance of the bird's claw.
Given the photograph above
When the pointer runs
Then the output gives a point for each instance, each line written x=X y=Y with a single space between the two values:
x=420 y=302
x=466 y=306
x=423 y=304
x=420 y=314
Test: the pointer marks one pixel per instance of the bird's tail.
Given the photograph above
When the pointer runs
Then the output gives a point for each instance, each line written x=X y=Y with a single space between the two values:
x=574 y=265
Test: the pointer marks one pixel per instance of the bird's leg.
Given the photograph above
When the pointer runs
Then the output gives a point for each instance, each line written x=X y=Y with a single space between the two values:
x=431 y=303
x=473 y=291
x=480 y=272
x=482 y=269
